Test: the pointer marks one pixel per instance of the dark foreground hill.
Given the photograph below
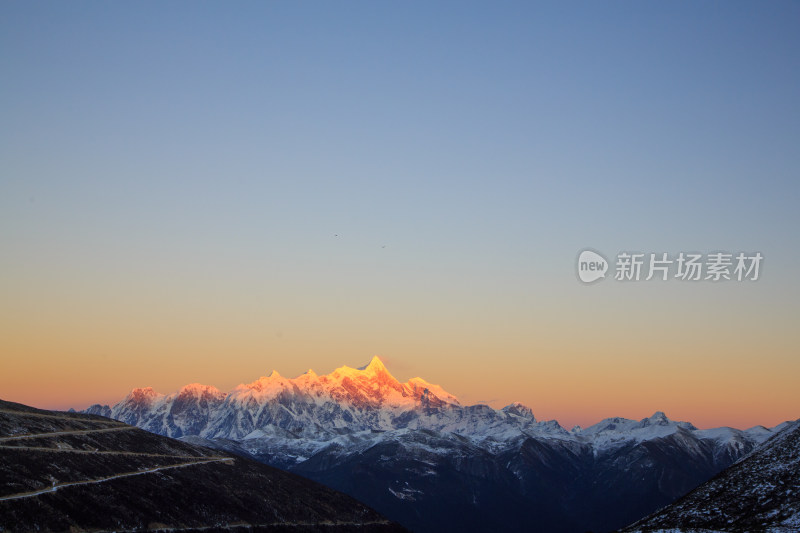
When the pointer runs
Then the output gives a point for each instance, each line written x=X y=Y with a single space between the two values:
x=69 y=471
x=759 y=493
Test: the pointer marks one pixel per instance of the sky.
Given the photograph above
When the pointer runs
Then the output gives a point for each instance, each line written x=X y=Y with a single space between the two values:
x=206 y=191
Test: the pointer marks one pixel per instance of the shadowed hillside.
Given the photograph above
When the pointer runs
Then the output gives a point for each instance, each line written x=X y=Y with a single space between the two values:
x=63 y=471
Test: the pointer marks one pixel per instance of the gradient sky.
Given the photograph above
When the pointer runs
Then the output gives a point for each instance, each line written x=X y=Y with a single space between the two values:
x=205 y=191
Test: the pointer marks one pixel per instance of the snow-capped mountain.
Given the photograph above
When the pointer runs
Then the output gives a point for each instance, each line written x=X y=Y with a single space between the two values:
x=348 y=399
x=761 y=492
x=414 y=452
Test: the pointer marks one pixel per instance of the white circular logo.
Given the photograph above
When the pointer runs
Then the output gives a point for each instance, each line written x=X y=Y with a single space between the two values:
x=591 y=266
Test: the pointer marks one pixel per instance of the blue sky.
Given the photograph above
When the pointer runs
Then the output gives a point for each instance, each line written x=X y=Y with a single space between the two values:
x=365 y=174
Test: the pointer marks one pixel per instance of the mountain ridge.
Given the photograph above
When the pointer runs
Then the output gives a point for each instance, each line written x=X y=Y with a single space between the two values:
x=370 y=386
x=413 y=452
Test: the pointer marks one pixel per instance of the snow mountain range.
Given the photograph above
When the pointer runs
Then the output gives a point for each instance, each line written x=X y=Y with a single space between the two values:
x=413 y=452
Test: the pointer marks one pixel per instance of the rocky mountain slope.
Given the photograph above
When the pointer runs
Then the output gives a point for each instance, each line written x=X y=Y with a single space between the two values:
x=67 y=471
x=759 y=493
